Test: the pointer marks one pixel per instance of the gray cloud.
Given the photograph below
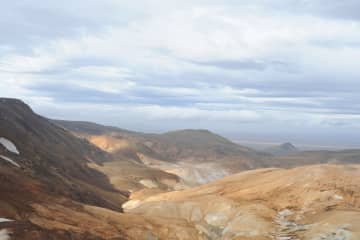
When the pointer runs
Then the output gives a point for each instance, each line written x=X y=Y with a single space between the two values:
x=346 y=9
x=26 y=23
x=234 y=64
x=240 y=65
x=266 y=68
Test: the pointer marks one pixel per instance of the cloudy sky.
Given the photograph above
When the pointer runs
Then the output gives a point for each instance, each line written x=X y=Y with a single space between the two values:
x=278 y=70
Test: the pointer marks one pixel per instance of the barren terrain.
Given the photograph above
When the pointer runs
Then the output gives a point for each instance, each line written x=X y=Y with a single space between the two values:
x=70 y=180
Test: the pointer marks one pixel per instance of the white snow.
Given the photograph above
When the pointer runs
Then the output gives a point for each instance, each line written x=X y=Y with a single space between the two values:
x=9 y=160
x=5 y=220
x=4 y=235
x=9 y=145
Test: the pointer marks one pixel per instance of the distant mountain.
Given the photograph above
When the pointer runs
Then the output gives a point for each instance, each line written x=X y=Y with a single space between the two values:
x=196 y=155
x=71 y=180
x=171 y=146
x=282 y=150
x=175 y=145
x=318 y=157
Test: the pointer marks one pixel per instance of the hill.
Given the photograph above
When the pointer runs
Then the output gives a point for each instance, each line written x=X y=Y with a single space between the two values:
x=56 y=184
x=282 y=150
x=313 y=202
x=197 y=156
x=48 y=175
x=171 y=146
x=53 y=155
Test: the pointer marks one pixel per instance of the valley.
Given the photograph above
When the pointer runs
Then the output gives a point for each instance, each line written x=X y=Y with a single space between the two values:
x=79 y=180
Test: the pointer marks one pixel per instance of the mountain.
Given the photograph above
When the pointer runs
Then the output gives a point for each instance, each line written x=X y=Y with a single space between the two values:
x=53 y=184
x=196 y=156
x=53 y=155
x=43 y=163
x=199 y=156
x=308 y=203
x=282 y=150
x=75 y=180
x=171 y=146
x=199 y=145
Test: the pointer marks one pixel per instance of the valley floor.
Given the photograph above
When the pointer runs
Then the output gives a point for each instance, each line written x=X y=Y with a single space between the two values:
x=320 y=202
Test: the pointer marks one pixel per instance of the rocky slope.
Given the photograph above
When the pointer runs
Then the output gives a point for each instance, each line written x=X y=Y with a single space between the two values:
x=52 y=184
x=199 y=156
x=196 y=156
x=315 y=202
x=55 y=185
x=182 y=145
x=53 y=156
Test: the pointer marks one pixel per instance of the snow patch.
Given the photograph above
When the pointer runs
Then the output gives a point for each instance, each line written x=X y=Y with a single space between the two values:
x=5 y=220
x=4 y=235
x=10 y=146
x=10 y=161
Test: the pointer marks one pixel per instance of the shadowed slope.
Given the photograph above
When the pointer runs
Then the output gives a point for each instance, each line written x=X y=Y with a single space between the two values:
x=53 y=155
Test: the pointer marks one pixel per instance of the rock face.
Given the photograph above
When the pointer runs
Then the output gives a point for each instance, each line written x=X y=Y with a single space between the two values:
x=53 y=155
x=53 y=185
x=46 y=181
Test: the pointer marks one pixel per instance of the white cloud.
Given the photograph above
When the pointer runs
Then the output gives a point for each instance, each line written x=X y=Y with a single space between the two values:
x=113 y=86
x=176 y=113
x=185 y=60
x=104 y=71
x=27 y=64
x=199 y=33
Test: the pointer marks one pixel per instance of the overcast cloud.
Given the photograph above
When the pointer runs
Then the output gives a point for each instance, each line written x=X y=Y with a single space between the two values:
x=267 y=70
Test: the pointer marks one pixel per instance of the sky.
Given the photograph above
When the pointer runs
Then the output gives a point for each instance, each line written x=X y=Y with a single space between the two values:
x=270 y=70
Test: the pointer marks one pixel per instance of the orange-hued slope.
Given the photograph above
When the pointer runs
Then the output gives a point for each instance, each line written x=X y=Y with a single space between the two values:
x=301 y=203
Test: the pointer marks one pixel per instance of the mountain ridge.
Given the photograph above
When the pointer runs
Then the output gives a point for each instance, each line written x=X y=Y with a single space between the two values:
x=53 y=154
x=195 y=154
x=58 y=184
